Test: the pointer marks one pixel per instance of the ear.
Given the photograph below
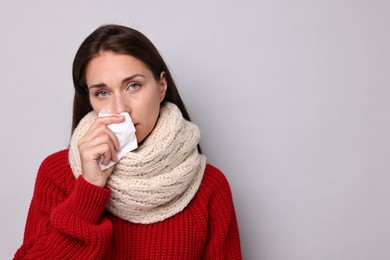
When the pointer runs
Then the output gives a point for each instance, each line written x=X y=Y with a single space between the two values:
x=163 y=85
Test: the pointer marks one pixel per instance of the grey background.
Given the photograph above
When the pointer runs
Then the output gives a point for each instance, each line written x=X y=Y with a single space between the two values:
x=292 y=98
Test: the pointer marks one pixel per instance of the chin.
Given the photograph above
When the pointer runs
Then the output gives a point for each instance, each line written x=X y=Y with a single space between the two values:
x=140 y=139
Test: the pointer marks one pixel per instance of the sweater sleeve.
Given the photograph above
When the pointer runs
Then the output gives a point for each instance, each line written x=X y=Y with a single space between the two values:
x=65 y=222
x=223 y=236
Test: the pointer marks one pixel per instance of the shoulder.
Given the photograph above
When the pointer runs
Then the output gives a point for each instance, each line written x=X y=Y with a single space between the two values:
x=56 y=159
x=214 y=198
x=55 y=167
x=54 y=176
x=214 y=183
x=213 y=178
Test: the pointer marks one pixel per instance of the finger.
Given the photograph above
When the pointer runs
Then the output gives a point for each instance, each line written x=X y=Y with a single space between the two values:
x=100 y=126
x=105 y=158
x=96 y=154
x=101 y=130
x=108 y=120
x=98 y=141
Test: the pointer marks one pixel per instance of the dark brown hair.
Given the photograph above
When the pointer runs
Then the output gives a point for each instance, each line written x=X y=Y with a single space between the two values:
x=122 y=40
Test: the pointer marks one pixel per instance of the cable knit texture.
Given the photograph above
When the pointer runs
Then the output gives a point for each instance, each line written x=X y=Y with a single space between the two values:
x=67 y=220
x=157 y=180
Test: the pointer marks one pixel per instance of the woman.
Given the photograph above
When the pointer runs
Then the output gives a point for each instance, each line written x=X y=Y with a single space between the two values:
x=159 y=201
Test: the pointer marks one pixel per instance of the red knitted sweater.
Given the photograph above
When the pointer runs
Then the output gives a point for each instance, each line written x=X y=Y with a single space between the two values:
x=67 y=220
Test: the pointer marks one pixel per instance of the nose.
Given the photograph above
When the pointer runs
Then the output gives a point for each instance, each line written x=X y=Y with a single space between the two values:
x=119 y=105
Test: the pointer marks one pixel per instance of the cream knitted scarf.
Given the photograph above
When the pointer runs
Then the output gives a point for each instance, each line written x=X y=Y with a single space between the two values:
x=160 y=177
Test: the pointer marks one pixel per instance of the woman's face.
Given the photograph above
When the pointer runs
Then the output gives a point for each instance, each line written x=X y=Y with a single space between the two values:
x=122 y=83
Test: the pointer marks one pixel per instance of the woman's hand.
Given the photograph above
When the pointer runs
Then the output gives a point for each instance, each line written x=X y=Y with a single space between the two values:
x=99 y=145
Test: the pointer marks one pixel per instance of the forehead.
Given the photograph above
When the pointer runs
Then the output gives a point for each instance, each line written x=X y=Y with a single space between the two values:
x=109 y=65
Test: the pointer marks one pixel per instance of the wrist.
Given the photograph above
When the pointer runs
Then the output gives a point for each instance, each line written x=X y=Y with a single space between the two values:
x=95 y=181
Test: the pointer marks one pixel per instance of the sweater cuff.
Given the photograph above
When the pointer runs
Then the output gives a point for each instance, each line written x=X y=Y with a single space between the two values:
x=89 y=200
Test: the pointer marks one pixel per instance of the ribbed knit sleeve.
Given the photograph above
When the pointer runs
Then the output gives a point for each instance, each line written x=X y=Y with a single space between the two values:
x=223 y=240
x=65 y=216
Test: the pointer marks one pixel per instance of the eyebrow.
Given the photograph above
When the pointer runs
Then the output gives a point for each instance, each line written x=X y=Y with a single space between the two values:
x=103 y=85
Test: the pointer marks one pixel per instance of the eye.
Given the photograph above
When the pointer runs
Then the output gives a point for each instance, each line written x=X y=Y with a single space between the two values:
x=101 y=93
x=133 y=86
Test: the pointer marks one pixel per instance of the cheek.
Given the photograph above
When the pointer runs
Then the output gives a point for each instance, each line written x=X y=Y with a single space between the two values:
x=96 y=104
x=93 y=104
x=149 y=117
x=98 y=107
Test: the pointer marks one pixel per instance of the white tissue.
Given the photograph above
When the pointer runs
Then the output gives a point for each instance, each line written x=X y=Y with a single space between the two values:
x=125 y=132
